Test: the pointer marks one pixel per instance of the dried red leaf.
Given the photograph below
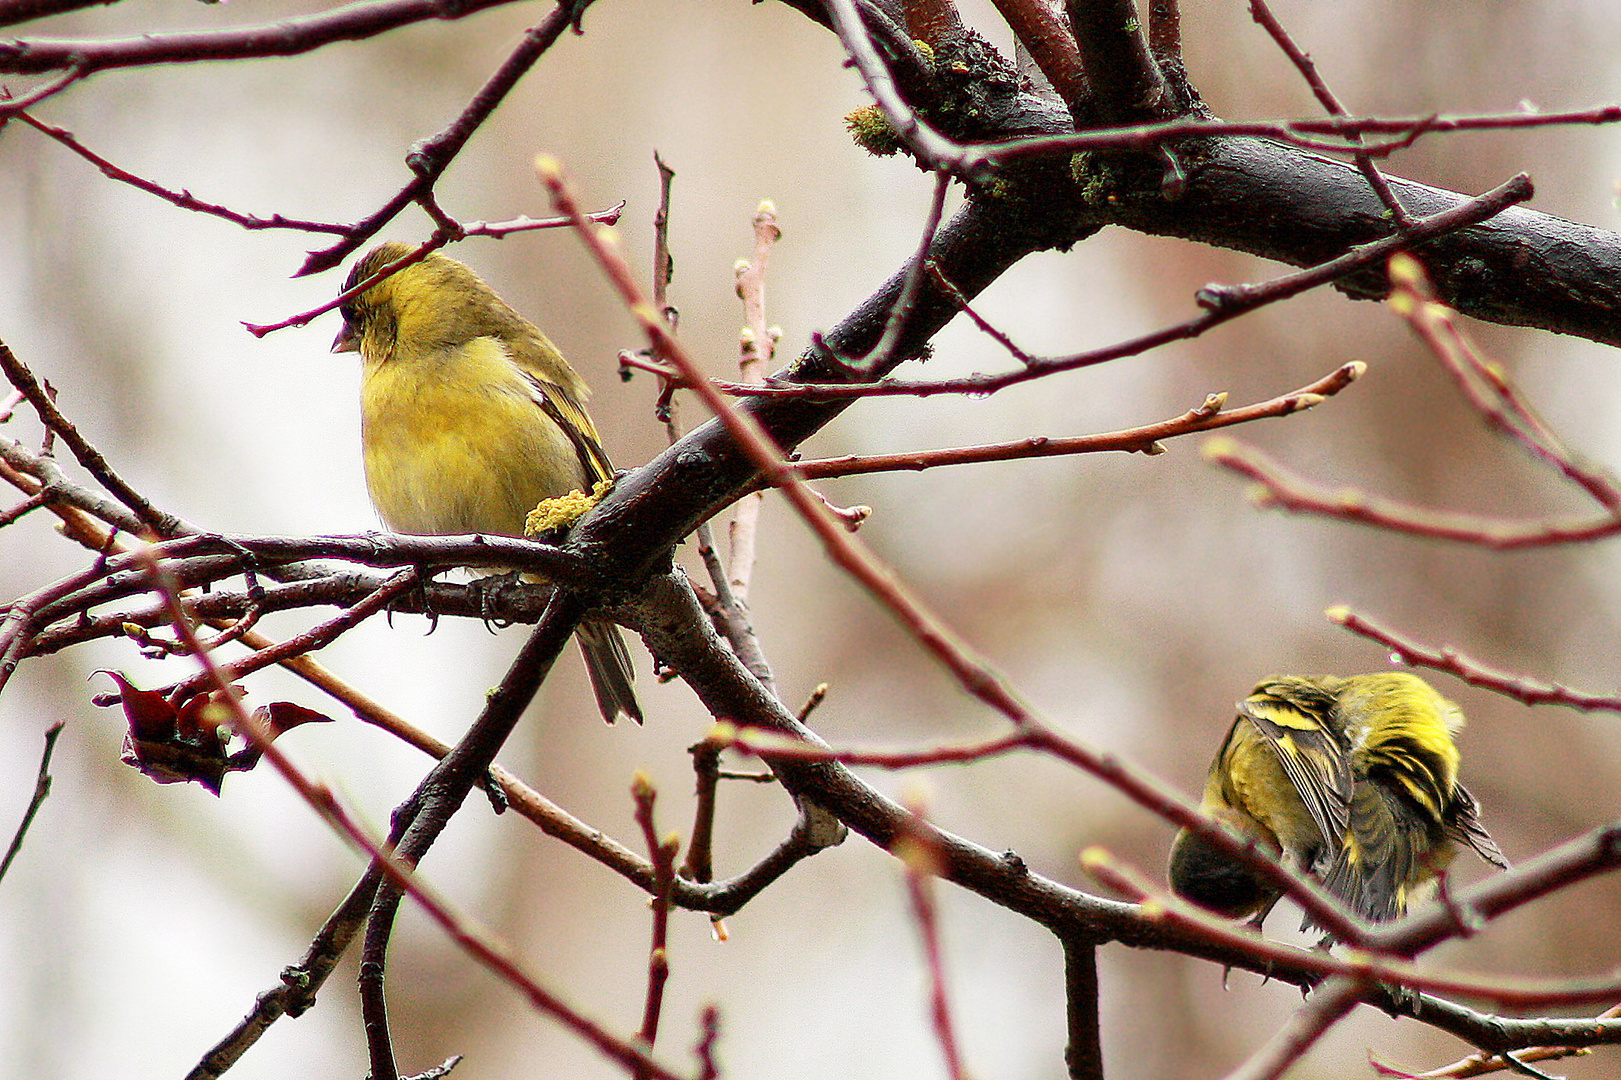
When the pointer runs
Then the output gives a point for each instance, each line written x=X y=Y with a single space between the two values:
x=171 y=744
x=150 y=714
x=283 y=716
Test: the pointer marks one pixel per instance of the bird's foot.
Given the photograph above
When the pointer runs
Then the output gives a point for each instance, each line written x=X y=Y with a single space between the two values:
x=487 y=593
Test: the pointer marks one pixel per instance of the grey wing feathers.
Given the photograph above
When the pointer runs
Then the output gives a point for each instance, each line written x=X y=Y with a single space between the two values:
x=1464 y=826
x=1318 y=767
x=557 y=403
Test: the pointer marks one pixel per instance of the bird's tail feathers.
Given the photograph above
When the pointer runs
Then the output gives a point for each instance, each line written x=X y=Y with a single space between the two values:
x=607 y=661
x=1377 y=862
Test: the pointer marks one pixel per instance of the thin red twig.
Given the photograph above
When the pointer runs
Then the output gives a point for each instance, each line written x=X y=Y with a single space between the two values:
x=1475 y=672
x=1143 y=440
x=1363 y=968
x=1489 y=390
x=446 y=234
x=1305 y=133
x=1326 y=97
x=662 y=852
x=922 y=865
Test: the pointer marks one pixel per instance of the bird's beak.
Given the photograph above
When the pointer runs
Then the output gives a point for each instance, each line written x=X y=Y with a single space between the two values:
x=347 y=340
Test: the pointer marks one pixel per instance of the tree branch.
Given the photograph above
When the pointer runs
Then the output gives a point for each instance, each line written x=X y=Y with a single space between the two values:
x=288 y=37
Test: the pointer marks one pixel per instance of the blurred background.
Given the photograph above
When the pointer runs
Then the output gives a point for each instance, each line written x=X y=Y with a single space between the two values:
x=1133 y=599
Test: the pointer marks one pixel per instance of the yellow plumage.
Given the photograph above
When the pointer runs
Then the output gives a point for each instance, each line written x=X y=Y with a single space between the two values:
x=470 y=417
x=1352 y=780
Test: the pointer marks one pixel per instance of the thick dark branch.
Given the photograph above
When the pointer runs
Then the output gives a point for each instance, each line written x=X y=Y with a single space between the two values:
x=1260 y=196
x=1125 y=82
x=1522 y=268
x=289 y=37
x=16 y=11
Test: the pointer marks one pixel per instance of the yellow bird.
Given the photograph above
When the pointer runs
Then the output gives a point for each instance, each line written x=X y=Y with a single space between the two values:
x=1351 y=780
x=469 y=418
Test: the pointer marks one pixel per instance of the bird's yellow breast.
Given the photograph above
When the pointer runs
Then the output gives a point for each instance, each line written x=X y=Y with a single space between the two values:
x=455 y=442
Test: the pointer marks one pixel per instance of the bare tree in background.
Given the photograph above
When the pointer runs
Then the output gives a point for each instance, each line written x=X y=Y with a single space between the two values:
x=1096 y=123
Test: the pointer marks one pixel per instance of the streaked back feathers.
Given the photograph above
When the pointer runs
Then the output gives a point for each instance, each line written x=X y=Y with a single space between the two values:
x=1400 y=728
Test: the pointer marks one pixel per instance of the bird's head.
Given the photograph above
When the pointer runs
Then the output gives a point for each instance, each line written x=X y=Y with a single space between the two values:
x=433 y=303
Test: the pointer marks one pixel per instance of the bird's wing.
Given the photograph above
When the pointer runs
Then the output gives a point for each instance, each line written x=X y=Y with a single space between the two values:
x=1463 y=825
x=1372 y=869
x=1313 y=759
x=566 y=412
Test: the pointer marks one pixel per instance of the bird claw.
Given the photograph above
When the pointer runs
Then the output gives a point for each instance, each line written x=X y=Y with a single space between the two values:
x=487 y=592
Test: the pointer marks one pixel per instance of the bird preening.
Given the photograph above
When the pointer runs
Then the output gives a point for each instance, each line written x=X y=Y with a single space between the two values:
x=1353 y=781
x=470 y=417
